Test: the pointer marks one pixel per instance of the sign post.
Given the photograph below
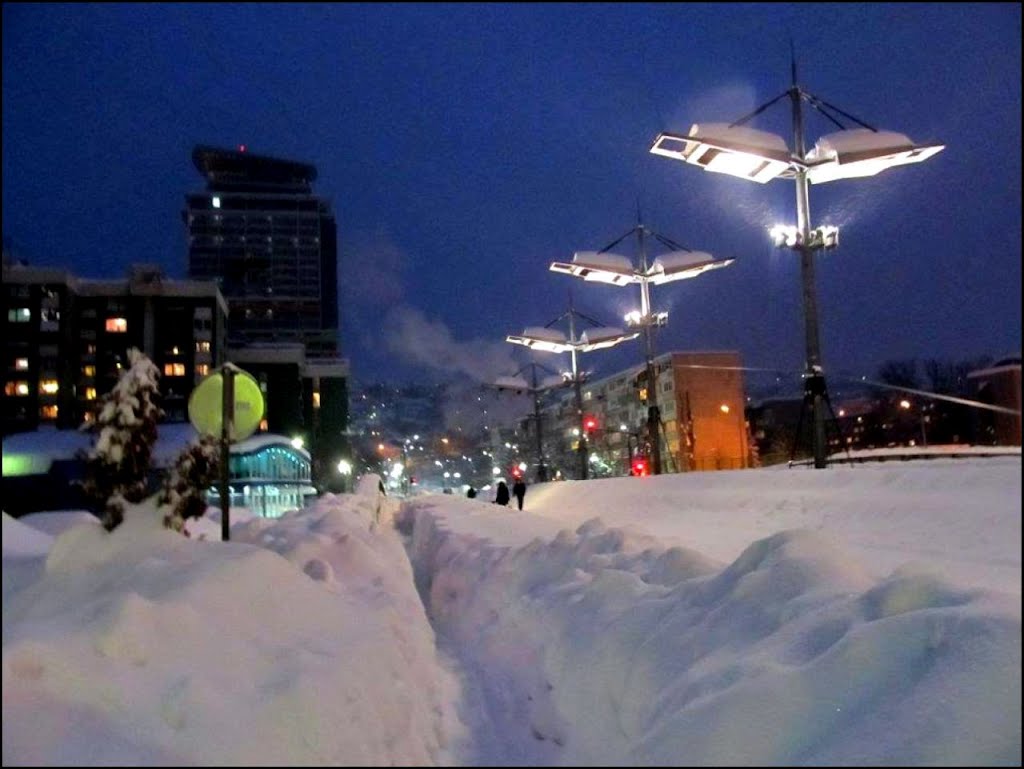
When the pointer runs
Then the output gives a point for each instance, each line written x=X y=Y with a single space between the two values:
x=227 y=422
x=229 y=405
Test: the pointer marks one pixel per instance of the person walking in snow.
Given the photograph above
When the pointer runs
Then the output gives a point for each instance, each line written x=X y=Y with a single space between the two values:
x=501 y=497
x=519 y=491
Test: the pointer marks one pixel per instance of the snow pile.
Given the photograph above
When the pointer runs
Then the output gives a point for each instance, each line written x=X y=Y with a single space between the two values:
x=600 y=648
x=859 y=615
x=142 y=646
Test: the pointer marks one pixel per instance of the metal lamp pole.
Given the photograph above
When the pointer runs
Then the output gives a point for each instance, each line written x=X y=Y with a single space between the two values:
x=577 y=387
x=653 y=413
x=814 y=384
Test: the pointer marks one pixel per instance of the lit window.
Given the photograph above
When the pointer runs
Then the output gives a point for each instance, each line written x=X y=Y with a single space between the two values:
x=117 y=325
x=89 y=370
x=216 y=202
x=49 y=386
x=202 y=346
x=316 y=400
x=21 y=363
x=48 y=412
x=90 y=393
x=175 y=351
x=19 y=315
x=174 y=369
x=202 y=369
x=16 y=388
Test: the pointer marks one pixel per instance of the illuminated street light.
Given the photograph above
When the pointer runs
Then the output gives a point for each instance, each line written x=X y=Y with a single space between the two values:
x=791 y=237
x=345 y=468
x=678 y=264
x=518 y=384
x=759 y=156
x=547 y=339
x=905 y=405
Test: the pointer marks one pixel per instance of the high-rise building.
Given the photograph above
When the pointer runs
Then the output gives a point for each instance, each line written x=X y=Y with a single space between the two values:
x=271 y=243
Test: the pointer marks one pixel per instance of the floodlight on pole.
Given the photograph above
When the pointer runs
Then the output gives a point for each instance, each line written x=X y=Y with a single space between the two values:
x=680 y=263
x=547 y=339
x=748 y=153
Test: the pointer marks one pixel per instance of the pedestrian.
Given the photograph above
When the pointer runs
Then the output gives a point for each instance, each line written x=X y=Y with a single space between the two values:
x=519 y=490
x=471 y=493
x=501 y=497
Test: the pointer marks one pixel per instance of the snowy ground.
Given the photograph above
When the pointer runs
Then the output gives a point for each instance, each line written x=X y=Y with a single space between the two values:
x=868 y=614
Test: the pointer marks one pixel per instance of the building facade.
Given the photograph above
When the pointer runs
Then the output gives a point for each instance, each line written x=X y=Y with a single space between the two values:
x=66 y=340
x=701 y=400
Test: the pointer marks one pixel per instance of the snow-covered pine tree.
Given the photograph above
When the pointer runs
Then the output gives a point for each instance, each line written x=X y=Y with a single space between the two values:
x=183 y=494
x=118 y=462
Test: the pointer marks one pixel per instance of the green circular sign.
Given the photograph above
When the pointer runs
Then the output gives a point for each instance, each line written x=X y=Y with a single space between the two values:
x=206 y=404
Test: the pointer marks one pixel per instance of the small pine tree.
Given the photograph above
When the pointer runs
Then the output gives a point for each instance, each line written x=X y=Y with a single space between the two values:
x=184 y=489
x=117 y=465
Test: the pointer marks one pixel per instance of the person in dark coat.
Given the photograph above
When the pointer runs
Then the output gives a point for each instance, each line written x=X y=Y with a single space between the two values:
x=519 y=491
x=471 y=492
x=501 y=497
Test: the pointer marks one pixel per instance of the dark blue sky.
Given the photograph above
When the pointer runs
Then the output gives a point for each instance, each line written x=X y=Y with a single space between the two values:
x=466 y=147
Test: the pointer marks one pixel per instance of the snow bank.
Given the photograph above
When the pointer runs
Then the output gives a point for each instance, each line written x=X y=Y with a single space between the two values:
x=302 y=642
x=601 y=647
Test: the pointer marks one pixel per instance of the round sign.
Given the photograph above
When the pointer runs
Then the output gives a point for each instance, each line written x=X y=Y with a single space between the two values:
x=206 y=404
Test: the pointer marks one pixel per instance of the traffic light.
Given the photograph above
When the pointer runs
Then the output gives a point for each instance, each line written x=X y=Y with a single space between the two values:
x=517 y=473
x=640 y=467
x=589 y=424
x=641 y=386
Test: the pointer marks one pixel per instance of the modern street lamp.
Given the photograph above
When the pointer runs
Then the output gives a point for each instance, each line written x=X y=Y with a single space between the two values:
x=548 y=339
x=345 y=468
x=678 y=264
x=760 y=156
x=536 y=387
x=906 y=406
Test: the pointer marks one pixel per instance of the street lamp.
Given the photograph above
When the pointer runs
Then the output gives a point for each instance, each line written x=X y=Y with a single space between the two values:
x=738 y=150
x=517 y=383
x=345 y=468
x=548 y=339
x=678 y=264
x=906 y=406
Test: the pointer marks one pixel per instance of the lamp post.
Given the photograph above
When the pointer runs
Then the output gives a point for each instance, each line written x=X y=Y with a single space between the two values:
x=345 y=469
x=678 y=264
x=733 y=149
x=547 y=339
x=906 y=406
x=536 y=388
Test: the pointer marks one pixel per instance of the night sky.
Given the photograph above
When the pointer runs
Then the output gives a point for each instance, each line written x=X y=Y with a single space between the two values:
x=465 y=147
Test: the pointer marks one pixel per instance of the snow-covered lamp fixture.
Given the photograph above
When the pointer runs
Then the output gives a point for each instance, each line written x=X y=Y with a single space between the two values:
x=728 y=149
x=860 y=152
x=739 y=150
x=618 y=270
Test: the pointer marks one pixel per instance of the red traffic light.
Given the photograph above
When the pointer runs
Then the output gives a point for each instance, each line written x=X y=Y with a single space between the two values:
x=640 y=467
x=517 y=473
x=589 y=424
